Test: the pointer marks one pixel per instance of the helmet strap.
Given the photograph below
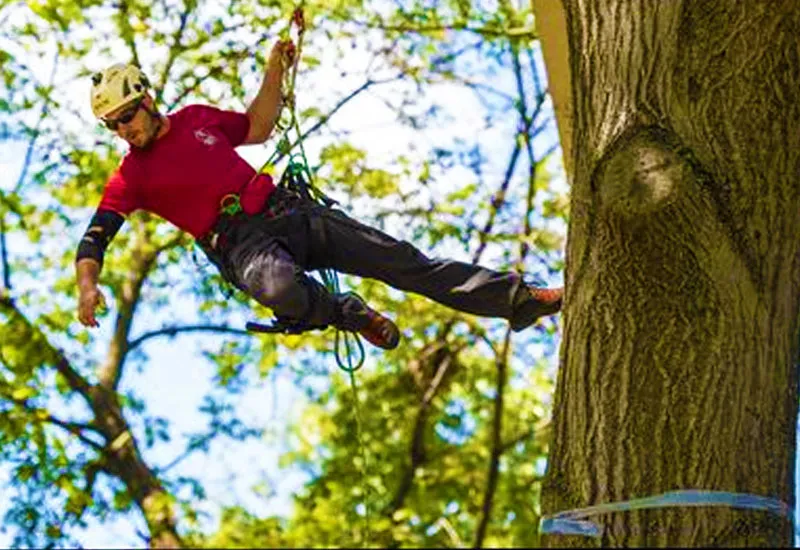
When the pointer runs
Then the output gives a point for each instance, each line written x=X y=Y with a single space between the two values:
x=154 y=115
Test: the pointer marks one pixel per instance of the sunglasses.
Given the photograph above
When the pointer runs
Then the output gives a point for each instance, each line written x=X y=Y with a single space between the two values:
x=124 y=118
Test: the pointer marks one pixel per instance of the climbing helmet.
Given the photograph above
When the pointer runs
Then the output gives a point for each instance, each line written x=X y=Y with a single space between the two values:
x=116 y=86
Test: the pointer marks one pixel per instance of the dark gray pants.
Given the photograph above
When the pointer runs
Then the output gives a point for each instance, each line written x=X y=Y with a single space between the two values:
x=268 y=257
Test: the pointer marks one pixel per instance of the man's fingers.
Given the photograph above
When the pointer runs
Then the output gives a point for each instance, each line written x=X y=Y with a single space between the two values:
x=285 y=46
x=87 y=307
x=87 y=319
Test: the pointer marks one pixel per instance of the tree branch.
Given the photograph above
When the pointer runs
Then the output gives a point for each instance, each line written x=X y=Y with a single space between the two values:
x=498 y=447
x=77 y=429
x=123 y=460
x=122 y=457
x=4 y=257
x=479 y=86
x=192 y=46
x=91 y=471
x=173 y=49
x=508 y=445
x=37 y=128
x=316 y=126
x=24 y=171
x=144 y=256
x=214 y=71
x=448 y=528
x=498 y=200
x=174 y=331
x=74 y=428
x=56 y=356
x=190 y=449
x=497 y=443
x=486 y=32
x=75 y=380
x=532 y=163
x=445 y=358
x=126 y=32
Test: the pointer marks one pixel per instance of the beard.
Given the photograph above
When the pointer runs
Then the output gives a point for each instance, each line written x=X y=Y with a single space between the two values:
x=150 y=133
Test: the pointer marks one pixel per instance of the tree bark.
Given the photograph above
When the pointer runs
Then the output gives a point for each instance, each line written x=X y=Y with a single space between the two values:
x=678 y=364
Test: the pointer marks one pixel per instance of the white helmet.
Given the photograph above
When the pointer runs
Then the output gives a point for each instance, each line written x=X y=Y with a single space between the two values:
x=116 y=86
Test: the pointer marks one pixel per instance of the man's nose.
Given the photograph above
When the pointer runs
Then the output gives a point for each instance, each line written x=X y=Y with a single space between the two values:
x=125 y=128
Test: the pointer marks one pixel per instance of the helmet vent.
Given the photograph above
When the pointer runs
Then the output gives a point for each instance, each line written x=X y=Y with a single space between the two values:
x=126 y=88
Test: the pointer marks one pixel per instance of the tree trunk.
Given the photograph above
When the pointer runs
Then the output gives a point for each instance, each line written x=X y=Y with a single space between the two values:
x=123 y=460
x=678 y=367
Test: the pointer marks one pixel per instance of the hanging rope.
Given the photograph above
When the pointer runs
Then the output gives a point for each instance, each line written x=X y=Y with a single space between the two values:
x=299 y=177
x=365 y=492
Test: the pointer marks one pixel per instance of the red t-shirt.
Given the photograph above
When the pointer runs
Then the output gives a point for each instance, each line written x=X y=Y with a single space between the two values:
x=183 y=175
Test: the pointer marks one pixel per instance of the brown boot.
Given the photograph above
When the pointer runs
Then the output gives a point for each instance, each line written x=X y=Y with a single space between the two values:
x=357 y=316
x=532 y=303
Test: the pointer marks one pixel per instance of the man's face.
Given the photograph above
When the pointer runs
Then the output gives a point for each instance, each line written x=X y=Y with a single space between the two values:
x=133 y=123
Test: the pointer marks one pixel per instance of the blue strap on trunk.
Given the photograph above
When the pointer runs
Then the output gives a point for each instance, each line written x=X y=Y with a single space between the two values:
x=573 y=522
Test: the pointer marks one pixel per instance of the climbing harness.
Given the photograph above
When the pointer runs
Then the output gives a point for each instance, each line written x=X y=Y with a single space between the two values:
x=573 y=522
x=230 y=205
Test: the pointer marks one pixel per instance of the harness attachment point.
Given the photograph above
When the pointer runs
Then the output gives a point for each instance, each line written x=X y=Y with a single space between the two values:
x=230 y=204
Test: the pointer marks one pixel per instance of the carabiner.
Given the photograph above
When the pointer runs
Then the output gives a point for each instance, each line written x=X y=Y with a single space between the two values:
x=230 y=204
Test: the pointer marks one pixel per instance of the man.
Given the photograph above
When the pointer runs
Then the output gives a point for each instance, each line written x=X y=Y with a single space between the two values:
x=183 y=165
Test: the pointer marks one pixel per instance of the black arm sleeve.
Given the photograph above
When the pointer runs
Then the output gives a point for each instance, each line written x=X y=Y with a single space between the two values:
x=102 y=228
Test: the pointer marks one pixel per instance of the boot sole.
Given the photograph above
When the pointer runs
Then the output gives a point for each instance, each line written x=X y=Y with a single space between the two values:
x=382 y=325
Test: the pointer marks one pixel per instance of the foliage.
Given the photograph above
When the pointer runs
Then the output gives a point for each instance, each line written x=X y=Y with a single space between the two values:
x=426 y=409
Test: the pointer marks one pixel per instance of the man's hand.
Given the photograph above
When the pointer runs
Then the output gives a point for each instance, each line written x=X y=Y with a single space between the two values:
x=90 y=297
x=282 y=50
x=89 y=301
x=265 y=108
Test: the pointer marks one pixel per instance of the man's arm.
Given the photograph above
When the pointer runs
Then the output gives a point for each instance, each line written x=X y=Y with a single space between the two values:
x=87 y=271
x=265 y=108
x=104 y=226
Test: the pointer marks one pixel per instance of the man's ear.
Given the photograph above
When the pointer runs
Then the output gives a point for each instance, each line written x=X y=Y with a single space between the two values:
x=150 y=104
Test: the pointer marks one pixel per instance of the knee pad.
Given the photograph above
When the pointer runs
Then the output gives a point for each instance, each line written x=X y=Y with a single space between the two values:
x=274 y=282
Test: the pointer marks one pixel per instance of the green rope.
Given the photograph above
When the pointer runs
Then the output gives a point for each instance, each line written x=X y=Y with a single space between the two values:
x=350 y=341
x=363 y=450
